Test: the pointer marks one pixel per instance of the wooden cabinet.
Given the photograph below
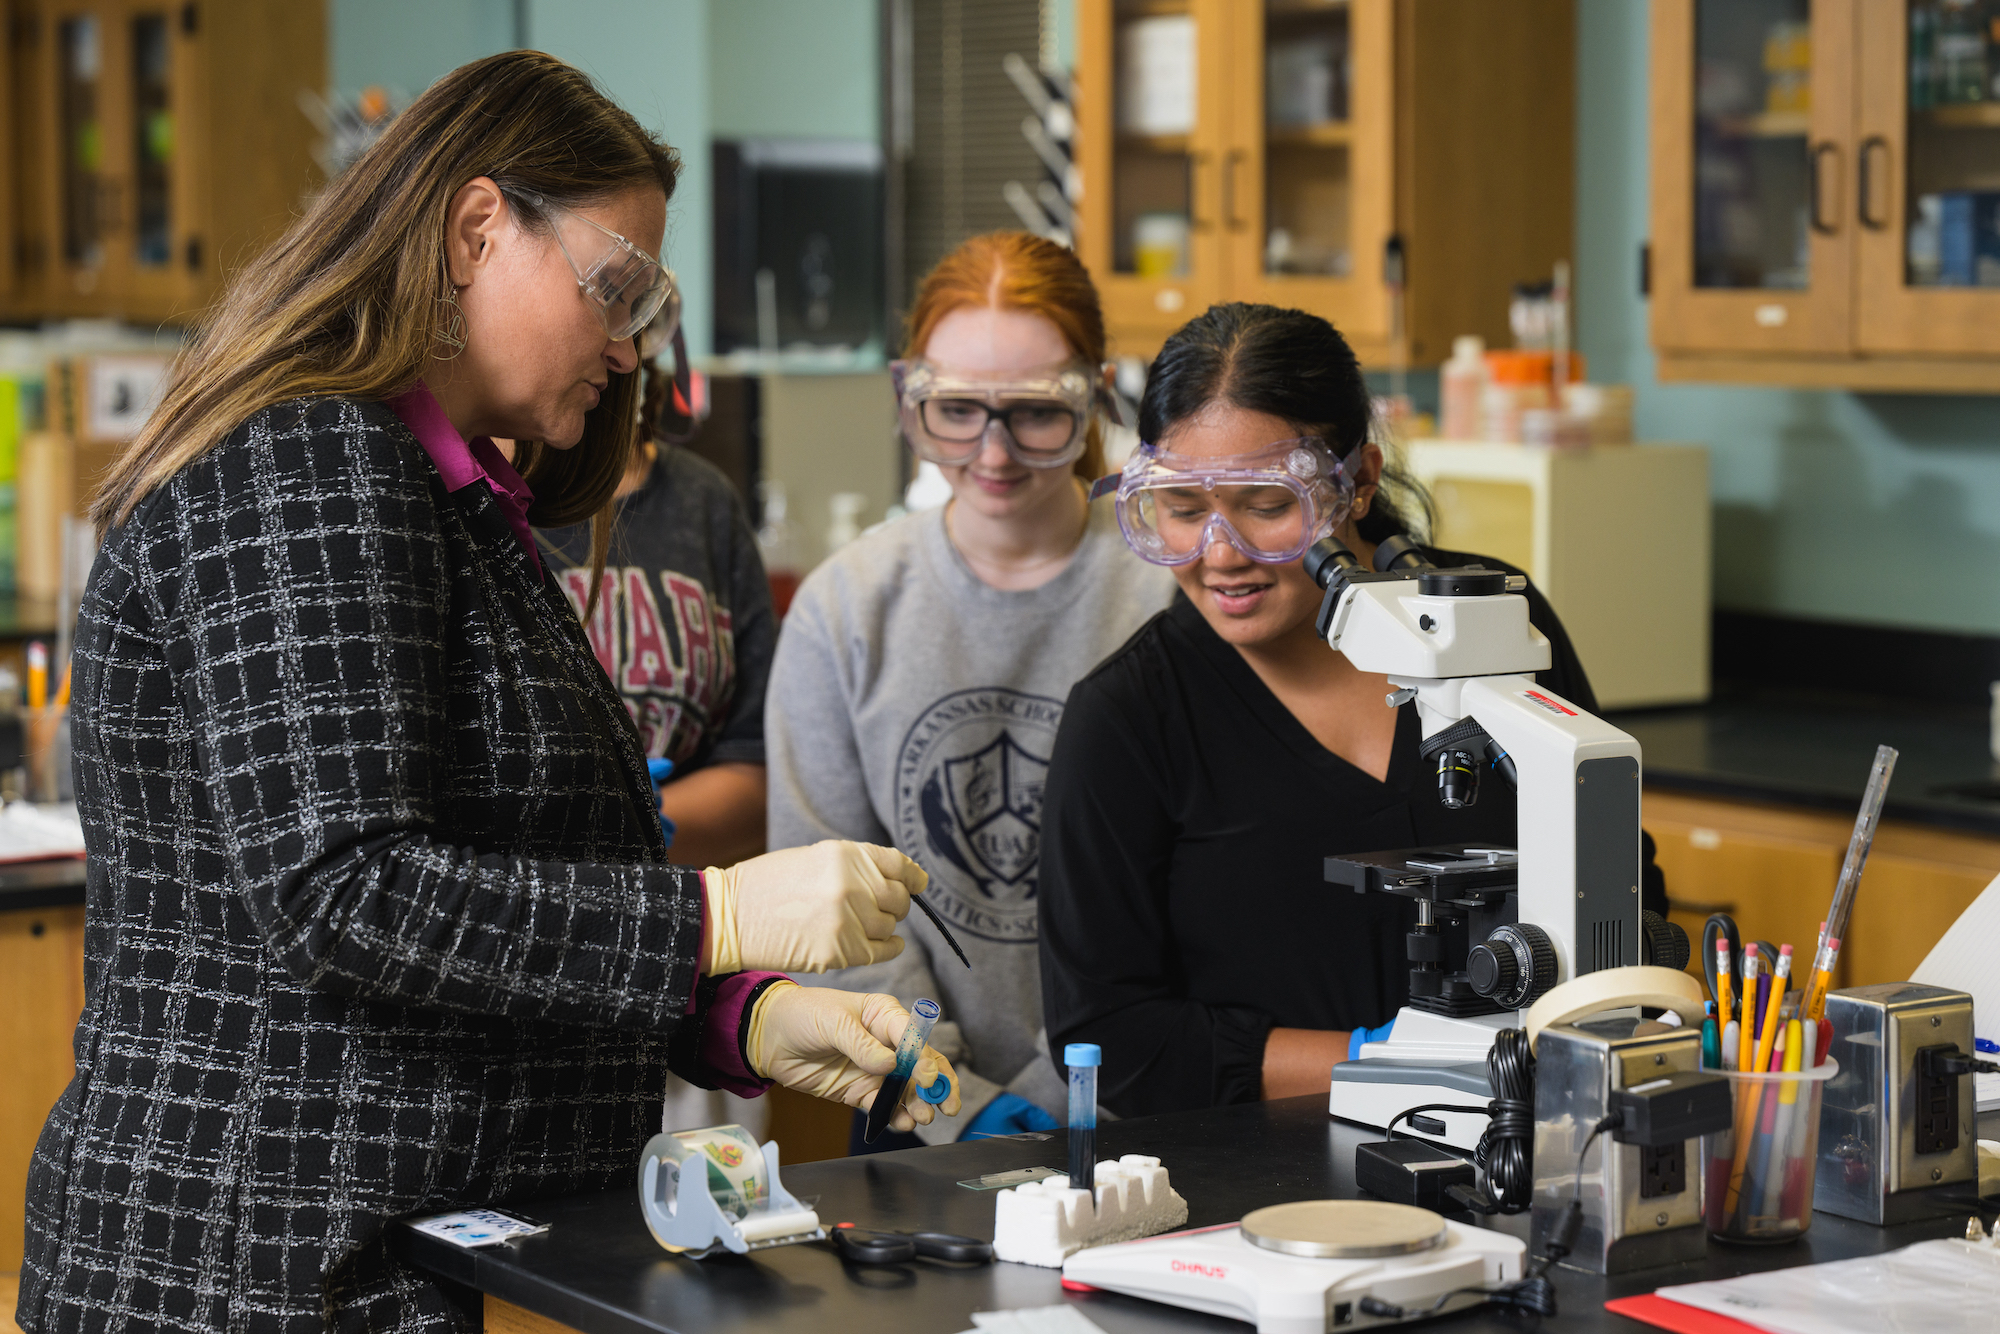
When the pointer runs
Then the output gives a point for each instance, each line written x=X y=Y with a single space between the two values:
x=153 y=146
x=1821 y=215
x=41 y=995
x=1282 y=150
x=1773 y=869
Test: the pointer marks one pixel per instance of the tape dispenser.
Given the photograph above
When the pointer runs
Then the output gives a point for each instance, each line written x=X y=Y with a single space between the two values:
x=716 y=1189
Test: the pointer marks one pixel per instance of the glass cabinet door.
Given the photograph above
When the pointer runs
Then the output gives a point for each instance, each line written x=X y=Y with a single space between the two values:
x=1152 y=186
x=1928 y=199
x=1752 y=242
x=1306 y=185
x=1308 y=169
x=152 y=141
x=1150 y=72
x=88 y=197
x=1753 y=165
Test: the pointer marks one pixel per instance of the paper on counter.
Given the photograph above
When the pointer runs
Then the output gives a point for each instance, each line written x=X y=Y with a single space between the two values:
x=31 y=833
x=1939 y=1287
x=1036 y=1320
x=1963 y=961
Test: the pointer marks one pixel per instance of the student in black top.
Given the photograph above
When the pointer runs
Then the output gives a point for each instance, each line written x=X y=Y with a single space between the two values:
x=1203 y=772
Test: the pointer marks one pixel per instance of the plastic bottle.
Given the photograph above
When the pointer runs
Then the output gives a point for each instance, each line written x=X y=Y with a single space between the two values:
x=775 y=544
x=1461 y=381
x=844 y=519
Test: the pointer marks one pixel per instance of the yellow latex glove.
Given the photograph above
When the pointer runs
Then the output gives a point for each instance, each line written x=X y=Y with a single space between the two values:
x=834 y=904
x=838 y=1045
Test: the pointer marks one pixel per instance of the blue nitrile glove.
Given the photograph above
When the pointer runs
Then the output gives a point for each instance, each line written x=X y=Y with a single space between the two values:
x=1008 y=1114
x=1361 y=1035
x=659 y=771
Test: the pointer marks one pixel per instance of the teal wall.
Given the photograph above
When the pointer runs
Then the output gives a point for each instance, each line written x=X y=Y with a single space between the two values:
x=651 y=56
x=404 y=45
x=1880 y=508
x=690 y=70
x=794 y=67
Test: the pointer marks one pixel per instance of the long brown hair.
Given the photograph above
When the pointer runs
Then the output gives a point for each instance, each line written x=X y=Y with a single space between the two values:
x=347 y=301
x=1018 y=271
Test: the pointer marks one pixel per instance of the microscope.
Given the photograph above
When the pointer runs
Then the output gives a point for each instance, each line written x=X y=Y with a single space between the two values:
x=1562 y=902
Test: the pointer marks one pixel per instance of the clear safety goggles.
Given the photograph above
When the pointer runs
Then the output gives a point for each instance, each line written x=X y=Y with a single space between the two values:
x=627 y=287
x=1271 y=504
x=1042 y=415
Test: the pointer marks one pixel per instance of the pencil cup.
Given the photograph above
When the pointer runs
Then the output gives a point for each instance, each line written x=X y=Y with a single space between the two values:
x=1758 y=1185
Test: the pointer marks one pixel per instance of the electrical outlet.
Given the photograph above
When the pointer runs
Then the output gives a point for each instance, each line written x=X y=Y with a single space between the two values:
x=1663 y=1170
x=1936 y=1108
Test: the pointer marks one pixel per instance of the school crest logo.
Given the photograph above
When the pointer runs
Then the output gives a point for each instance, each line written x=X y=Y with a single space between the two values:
x=969 y=783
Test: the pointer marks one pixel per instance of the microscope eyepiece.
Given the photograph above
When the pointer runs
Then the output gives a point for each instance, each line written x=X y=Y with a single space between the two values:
x=1328 y=557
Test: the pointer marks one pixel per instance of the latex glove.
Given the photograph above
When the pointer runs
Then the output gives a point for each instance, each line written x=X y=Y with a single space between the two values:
x=838 y=1045
x=806 y=910
x=1361 y=1035
x=1008 y=1114
x=659 y=771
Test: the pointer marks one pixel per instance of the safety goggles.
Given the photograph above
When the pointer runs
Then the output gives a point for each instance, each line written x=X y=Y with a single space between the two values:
x=627 y=287
x=1042 y=415
x=1270 y=504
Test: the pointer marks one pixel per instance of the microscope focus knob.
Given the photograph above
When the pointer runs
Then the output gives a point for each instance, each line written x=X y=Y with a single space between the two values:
x=1662 y=943
x=1515 y=965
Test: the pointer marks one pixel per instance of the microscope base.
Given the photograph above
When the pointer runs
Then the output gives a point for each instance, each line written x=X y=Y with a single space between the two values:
x=1371 y=1092
x=1428 y=1058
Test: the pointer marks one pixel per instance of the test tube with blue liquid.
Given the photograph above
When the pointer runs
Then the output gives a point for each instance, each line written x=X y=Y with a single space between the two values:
x=1083 y=1058
x=923 y=1017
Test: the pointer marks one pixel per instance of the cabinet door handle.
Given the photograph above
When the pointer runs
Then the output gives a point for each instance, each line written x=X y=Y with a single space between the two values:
x=1230 y=162
x=1819 y=152
x=1866 y=187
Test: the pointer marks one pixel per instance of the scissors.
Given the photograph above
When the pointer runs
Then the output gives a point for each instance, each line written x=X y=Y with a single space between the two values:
x=868 y=1246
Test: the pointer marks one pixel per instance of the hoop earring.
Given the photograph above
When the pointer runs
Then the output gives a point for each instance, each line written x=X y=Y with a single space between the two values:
x=452 y=335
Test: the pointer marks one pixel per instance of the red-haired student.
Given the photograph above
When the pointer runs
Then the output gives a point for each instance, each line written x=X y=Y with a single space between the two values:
x=921 y=672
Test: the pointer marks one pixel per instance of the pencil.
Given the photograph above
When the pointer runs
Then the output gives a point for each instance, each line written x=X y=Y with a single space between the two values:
x=1747 y=1032
x=1814 y=1006
x=62 y=691
x=1749 y=1102
x=1768 y=1036
x=38 y=675
x=1725 y=998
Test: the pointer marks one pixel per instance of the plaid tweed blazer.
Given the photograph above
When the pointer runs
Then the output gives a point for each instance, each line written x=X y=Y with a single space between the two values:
x=379 y=916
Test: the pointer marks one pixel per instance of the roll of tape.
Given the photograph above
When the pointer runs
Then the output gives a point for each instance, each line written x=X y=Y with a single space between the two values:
x=734 y=1163
x=1614 y=989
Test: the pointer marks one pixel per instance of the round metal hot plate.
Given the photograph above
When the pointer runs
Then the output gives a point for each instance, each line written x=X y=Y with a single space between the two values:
x=1344 y=1229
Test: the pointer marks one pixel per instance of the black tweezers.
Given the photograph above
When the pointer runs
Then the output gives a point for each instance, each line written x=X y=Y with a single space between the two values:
x=943 y=930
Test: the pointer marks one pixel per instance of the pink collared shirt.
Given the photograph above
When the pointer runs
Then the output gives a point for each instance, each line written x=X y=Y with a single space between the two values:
x=461 y=464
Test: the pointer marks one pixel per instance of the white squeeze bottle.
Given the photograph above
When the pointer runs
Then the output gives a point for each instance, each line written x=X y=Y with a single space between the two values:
x=1460 y=383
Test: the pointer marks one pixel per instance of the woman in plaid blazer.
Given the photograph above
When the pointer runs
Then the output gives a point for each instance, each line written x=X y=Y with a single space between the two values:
x=380 y=920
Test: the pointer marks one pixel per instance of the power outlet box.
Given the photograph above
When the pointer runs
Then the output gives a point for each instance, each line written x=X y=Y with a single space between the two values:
x=1663 y=1170
x=1936 y=1109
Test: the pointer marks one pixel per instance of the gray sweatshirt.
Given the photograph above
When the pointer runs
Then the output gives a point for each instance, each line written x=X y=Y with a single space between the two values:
x=913 y=705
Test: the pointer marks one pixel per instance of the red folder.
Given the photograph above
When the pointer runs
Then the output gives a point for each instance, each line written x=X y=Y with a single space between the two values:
x=1653 y=1309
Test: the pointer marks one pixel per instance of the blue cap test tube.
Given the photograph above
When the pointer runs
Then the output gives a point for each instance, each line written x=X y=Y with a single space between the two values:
x=1083 y=1058
x=923 y=1017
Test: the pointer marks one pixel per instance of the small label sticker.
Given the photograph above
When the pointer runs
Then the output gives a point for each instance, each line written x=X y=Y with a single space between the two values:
x=1537 y=697
x=478 y=1227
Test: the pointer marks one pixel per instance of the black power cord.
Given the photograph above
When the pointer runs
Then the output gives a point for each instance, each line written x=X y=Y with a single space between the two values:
x=1505 y=1157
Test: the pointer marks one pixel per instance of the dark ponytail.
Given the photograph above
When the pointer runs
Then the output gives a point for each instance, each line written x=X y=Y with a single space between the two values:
x=1286 y=364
